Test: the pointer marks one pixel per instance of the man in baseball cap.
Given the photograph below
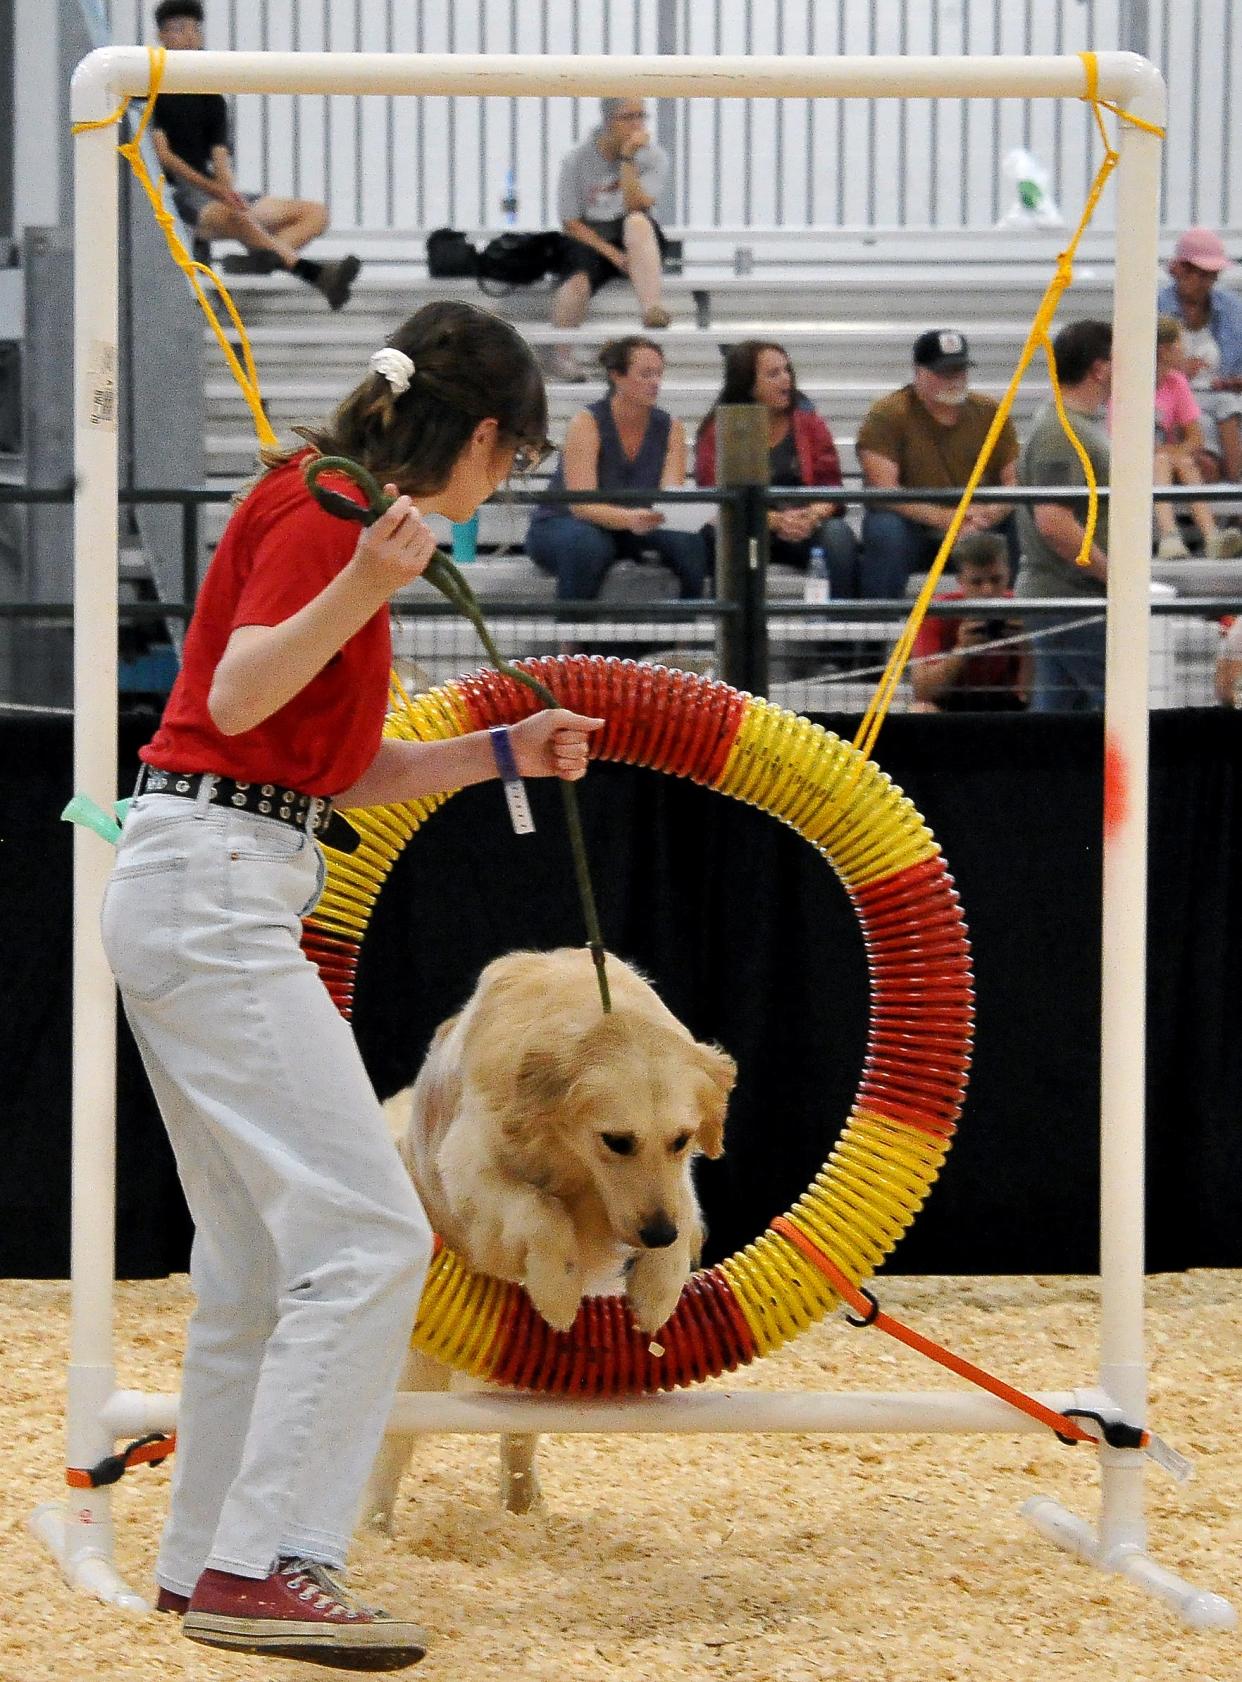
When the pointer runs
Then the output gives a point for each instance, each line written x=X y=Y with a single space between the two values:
x=1211 y=318
x=943 y=350
x=929 y=435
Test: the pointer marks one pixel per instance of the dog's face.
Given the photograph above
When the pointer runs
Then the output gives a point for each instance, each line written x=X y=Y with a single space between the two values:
x=630 y=1102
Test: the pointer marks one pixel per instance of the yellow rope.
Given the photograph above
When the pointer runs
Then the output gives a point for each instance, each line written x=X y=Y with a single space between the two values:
x=1038 y=337
x=247 y=378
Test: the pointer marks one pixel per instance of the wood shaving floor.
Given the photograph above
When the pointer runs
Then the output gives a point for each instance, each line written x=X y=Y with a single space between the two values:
x=701 y=1559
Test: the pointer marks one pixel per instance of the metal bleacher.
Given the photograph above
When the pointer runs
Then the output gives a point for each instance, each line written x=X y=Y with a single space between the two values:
x=848 y=320
x=847 y=308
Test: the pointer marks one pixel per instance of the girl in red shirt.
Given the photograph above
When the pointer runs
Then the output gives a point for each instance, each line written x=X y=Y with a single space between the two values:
x=310 y=1245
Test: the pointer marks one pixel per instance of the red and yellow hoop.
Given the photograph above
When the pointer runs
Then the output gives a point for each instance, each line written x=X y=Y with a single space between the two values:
x=918 y=1053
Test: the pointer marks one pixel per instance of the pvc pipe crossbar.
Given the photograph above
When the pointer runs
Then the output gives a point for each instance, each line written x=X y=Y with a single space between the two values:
x=1124 y=77
x=727 y=1412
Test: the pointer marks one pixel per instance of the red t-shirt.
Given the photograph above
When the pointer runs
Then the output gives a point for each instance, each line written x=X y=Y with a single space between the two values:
x=991 y=673
x=278 y=552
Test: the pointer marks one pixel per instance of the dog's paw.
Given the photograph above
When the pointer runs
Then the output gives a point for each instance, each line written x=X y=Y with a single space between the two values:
x=555 y=1289
x=653 y=1294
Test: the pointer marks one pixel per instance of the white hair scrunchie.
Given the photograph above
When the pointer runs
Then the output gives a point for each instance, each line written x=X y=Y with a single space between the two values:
x=395 y=366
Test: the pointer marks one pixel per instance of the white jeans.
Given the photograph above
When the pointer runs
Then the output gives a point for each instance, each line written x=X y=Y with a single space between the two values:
x=311 y=1246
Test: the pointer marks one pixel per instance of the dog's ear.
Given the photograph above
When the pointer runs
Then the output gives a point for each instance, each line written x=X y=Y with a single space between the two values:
x=720 y=1072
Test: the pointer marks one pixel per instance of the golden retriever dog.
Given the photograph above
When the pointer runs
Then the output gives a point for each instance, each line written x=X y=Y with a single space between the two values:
x=552 y=1145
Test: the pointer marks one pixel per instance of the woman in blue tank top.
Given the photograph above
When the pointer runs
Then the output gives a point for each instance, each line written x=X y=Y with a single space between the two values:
x=623 y=442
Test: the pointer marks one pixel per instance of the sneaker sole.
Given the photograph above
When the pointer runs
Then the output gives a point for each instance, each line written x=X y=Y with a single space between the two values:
x=371 y=1647
x=348 y=273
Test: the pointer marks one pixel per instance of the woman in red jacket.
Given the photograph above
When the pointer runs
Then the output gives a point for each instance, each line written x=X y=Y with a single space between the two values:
x=800 y=452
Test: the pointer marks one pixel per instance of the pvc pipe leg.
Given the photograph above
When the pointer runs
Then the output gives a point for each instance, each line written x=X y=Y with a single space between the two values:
x=85 y=1568
x=519 y=1481
x=1197 y=1608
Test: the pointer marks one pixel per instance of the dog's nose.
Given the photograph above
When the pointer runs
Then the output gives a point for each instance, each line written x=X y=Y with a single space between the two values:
x=658 y=1233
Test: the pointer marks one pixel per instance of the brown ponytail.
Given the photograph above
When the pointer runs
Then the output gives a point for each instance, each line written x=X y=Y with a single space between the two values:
x=469 y=366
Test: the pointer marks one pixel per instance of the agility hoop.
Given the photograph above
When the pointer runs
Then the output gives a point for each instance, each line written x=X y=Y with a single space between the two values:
x=914 y=1075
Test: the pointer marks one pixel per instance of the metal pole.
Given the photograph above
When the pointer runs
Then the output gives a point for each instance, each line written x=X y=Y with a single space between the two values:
x=7 y=118
x=741 y=561
x=189 y=550
x=666 y=109
x=1136 y=26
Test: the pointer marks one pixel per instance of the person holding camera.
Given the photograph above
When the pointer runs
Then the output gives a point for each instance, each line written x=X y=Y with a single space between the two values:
x=956 y=668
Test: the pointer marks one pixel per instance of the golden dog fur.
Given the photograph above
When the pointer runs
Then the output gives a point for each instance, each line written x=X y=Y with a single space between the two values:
x=552 y=1145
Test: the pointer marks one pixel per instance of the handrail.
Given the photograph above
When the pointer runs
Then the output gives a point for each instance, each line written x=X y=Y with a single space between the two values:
x=750 y=619
x=860 y=495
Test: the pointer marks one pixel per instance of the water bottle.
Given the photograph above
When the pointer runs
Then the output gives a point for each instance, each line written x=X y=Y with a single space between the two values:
x=817 y=588
x=466 y=539
x=509 y=203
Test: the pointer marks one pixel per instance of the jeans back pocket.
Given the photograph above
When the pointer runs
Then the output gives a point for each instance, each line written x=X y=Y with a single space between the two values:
x=143 y=927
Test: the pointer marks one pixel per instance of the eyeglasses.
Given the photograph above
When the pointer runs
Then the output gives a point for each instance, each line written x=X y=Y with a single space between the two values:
x=527 y=457
x=630 y=116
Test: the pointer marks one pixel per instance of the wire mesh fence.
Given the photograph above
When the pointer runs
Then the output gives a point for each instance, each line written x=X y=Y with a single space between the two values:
x=754 y=626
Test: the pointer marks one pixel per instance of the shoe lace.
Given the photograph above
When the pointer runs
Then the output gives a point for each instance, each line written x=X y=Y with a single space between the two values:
x=315 y=1582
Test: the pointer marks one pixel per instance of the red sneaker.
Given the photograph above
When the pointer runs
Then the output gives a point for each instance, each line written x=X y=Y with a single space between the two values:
x=301 y=1611
x=168 y=1600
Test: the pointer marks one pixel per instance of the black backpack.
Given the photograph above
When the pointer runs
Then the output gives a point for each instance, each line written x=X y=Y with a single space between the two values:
x=512 y=260
x=450 y=255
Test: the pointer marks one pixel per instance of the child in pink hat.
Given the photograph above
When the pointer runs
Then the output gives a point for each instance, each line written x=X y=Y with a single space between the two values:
x=1211 y=321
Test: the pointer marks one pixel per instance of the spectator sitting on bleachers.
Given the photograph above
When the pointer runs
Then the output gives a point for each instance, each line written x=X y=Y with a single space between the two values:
x=948 y=674
x=623 y=442
x=801 y=451
x=1069 y=664
x=1212 y=321
x=609 y=186
x=928 y=435
x=190 y=132
x=1179 y=441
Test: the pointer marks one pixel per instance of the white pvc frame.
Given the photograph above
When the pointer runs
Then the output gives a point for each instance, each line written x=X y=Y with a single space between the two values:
x=79 y=1531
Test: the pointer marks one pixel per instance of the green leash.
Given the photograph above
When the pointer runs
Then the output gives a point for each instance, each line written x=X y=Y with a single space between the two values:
x=441 y=572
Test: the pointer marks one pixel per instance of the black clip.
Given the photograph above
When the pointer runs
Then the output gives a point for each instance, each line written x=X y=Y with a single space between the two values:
x=113 y=1467
x=873 y=1313
x=1115 y=1432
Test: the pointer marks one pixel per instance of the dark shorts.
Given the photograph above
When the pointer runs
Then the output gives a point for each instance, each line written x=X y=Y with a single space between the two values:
x=191 y=201
x=584 y=259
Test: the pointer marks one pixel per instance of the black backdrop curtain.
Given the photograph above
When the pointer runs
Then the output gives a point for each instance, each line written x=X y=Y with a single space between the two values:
x=752 y=942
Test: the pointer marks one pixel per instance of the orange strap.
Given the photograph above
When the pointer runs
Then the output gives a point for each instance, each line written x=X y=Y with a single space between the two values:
x=873 y=1315
x=141 y=1452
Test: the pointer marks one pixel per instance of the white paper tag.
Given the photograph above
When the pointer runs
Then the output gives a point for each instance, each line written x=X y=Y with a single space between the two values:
x=101 y=385
x=520 y=815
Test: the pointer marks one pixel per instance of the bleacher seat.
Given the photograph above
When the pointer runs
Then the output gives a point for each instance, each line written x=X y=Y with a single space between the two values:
x=849 y=316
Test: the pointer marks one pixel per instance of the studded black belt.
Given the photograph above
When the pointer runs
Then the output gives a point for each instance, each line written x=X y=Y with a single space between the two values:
x=266 y=800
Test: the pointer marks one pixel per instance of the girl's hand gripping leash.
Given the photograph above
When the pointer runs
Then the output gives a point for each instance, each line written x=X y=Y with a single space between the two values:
x=441 y=572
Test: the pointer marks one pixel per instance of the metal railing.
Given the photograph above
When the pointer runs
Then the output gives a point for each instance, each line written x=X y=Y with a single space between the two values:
x=406 y=166
x=809 y=656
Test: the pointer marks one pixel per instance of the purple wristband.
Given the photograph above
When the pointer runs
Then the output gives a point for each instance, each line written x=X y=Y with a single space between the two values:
x=515 y=789
x=502 y=750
